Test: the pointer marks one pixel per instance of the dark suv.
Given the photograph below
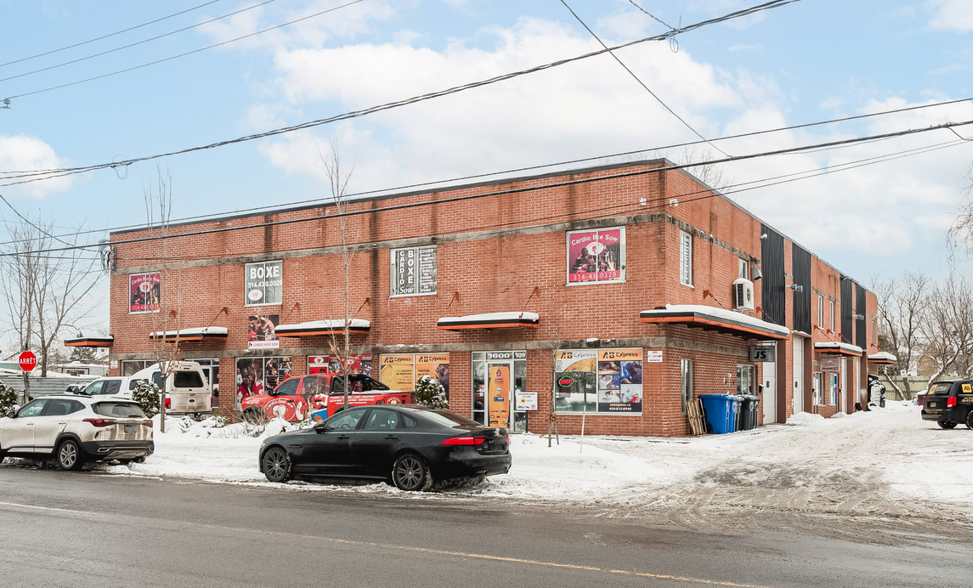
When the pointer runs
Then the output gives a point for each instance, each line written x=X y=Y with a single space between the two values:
x=950 y=403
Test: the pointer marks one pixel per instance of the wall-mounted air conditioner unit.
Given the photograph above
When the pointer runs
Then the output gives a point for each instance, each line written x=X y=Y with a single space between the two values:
x=743 y=295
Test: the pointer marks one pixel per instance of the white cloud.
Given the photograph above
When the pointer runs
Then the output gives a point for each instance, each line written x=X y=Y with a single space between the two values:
x=23 y=153
x=593 y=108
x=955 y=15
x=342 y=23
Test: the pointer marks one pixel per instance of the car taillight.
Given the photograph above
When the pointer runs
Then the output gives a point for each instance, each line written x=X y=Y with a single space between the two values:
x=168 y=403
x=951 y=402
x=464 y=441
x=101 y=422
x=147 y=423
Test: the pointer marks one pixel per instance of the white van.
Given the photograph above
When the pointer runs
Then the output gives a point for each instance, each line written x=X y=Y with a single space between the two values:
x=187 y=389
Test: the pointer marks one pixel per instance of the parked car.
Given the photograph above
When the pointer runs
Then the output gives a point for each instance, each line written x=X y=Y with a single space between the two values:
x=949 y=402
x=316 y=396
x=186 y=387
x=77 y=429
x=408 y=446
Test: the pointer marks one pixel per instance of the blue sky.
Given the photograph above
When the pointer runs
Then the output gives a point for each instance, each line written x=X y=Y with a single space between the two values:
x=808 y=61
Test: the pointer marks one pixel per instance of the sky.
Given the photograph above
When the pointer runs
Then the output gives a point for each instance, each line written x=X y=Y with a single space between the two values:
x=223 y=76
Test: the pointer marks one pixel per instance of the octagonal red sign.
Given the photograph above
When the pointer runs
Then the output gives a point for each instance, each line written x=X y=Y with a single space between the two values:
x=27 y=360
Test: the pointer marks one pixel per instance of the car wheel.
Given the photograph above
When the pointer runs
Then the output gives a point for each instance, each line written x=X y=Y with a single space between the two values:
x=69 y=455
x=410 y=473
x=969 y=420
x=947 y=425
x=277 y=465
x=255 y=417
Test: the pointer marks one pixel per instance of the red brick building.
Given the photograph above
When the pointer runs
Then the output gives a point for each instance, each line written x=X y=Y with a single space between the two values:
x=500 y=289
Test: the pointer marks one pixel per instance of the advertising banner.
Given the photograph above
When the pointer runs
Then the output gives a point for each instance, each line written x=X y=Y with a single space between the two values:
x=596 y=256
x=144 y=293
x=436 y=366
x=256 y=375
x=413 y=271
x=598 y=380
x=620 y=380
x=262 y=331
x=264 y=283
x=498 y=391
x=398 y=371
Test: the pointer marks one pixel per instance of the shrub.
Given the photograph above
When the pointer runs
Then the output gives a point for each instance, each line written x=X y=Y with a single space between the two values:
x=8 y=399
x=147 y=395
x=430 y=392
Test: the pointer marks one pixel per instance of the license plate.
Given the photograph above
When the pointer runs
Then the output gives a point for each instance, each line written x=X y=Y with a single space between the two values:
x=131 y=428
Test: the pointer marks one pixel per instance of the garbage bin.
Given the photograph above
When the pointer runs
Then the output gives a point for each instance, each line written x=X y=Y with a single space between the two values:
x=748 y=412
x=721 y=412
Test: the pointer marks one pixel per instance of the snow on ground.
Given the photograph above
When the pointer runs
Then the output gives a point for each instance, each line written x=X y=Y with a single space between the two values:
x=869 y=461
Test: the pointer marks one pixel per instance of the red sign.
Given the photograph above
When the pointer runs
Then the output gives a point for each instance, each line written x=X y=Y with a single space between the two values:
x=28 y=361
x=565 y=381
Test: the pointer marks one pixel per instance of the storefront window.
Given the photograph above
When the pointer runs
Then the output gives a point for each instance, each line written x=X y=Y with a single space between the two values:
x=818 y=388
x=600 y=381
x=131 y=366
x=256 y=375
x=401 y=371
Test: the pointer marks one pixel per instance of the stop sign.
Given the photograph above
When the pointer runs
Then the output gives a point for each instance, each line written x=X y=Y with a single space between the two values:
x=28 y=361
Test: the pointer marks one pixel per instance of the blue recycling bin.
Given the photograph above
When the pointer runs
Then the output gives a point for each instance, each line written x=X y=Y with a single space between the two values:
x=721 y=412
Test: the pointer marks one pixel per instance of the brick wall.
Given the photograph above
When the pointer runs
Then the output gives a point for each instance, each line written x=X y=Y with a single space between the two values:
x=500 y=247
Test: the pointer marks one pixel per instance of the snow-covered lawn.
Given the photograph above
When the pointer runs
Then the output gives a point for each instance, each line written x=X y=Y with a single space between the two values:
x=867 y=463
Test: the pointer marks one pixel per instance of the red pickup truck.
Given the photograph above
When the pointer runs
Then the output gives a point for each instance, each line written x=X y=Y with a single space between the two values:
x=317 y=396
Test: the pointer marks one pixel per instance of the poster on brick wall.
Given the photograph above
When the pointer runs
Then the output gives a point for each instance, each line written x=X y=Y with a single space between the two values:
x=596 y=256
x=144 y=293
x=619 y=380
x=262 y=331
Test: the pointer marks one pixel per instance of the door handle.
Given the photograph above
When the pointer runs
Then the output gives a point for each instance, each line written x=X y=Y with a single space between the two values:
x=391 y=437
x=62 y=422
x=343 y=437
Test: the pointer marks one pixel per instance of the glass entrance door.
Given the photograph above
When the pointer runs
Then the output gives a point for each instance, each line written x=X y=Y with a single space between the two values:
x=497 y=378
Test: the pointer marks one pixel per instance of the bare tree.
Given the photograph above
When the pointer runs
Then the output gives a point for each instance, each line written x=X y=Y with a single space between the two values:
x=901 y=308
x=946 y=328
x=166 y=318
x=338 y=178
x=48 y=285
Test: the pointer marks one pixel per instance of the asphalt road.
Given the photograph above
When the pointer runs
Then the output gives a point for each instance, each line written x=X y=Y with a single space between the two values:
x=91 y=529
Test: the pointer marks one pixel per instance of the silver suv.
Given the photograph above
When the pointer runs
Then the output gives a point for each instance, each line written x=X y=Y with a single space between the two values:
x=77 y=429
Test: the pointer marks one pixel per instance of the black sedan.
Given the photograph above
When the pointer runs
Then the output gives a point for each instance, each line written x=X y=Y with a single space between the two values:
x=408 y=446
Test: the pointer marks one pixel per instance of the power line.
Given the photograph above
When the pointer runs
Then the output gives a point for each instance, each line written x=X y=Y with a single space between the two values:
x=653 y=203
x=135 y=44
x=637 y=79
x=145 y=24
x=201 y=49
x=383 y=107
x=777 y=152
x=542 y=166
x=647 y=13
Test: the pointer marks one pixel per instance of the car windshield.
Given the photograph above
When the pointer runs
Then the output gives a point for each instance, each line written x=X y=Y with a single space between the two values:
x=450 y=419
x=941 y=389
x=125 y=410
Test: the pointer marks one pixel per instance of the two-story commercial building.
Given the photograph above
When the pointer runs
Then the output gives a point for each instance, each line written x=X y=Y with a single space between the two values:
x=611 y=294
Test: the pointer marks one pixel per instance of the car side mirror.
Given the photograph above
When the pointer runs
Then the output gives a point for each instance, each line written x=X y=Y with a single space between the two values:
x=12 y=413
x=322 y=427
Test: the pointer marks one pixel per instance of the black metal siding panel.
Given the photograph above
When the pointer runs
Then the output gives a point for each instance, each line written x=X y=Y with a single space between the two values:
x=772 y=266
x=861 y=339
x=846 y=308
x=801 y=261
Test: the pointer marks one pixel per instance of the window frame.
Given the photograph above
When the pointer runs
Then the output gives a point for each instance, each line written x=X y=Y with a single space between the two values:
x=685 y=258
x=263 y=299
x=393 y=272
x=744 y=268
x=832 y=316
x=686 y=379
x=820 y=311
